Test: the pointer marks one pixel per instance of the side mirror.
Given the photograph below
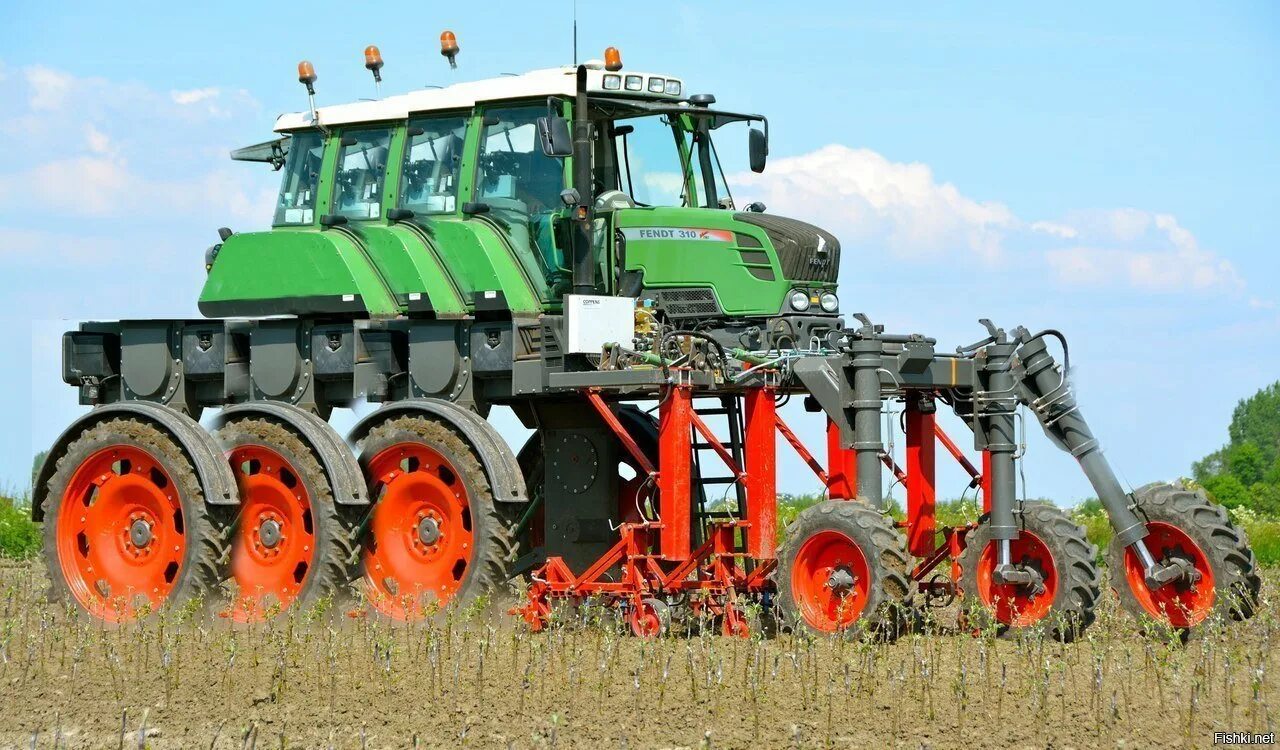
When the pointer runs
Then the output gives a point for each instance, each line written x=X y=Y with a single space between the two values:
x=554 y=134
x=759 y=145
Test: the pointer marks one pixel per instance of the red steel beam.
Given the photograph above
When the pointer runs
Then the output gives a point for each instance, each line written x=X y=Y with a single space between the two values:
x=842 y=482
x=954 y=450
x=921 y=494
x=986 y=481
x=611 y=419
x=717 y=446
x=803 y=452
x=762 y=477
x=675 y=416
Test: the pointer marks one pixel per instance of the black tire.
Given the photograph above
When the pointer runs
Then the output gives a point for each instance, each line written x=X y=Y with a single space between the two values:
x=884 y=549
x=332 y=562
x=492 y=552
x=199 y=571
x=1078 y=586
x=642 y=427
x=1225 y=546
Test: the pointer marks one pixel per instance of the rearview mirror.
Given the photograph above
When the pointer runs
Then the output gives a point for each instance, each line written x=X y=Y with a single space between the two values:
x=759 y=145
x=554 y=134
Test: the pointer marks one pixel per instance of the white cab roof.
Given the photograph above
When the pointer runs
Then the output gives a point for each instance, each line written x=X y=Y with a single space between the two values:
x=546 y=82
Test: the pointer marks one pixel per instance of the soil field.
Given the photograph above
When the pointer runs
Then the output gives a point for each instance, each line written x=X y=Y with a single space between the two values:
x=475 y=679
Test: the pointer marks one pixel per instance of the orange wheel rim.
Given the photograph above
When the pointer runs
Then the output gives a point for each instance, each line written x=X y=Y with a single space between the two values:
x=421 y=539
x=1014 y=604
x=275 y=542
x=120 y=533
x=1180 y=603
x=645 y=620
x=830 y=581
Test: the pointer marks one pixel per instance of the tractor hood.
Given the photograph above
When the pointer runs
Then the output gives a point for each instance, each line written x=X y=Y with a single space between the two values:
x=738 y=263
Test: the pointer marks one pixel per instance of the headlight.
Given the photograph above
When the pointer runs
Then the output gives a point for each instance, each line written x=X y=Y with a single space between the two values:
x=612 y=82
x=830 y=303
x=799 y=301
x=657 y=85
x=673 y=87
x=635 y=83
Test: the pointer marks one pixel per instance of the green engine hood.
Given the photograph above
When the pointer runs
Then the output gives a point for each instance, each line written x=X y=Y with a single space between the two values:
x=749 y=260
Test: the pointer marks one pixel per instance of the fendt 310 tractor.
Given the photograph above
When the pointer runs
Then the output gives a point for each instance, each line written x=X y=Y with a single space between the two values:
x=564 y=243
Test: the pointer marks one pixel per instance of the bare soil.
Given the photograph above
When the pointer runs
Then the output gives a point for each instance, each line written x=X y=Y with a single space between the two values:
x=476 y=679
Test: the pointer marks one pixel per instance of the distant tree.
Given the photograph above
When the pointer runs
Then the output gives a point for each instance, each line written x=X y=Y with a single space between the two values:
x=1246 y=471
x=1246 y=462
x=1227 y=490
x=36 y=464
x=1257 y=420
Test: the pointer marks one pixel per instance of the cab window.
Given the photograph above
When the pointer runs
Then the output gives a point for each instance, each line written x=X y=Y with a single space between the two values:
x=297 y=201
x=433 y=152
x=520 y=184
x=362 y=171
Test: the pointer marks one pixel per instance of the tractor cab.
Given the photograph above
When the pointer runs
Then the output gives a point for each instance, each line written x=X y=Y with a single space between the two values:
x=474 y=199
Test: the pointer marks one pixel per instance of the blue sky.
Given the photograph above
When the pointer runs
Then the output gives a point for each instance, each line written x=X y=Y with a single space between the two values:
x=1110 y=171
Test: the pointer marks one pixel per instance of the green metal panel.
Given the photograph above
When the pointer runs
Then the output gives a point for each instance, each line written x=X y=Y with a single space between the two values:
x=672 y=263
x=299 y=271
x=410 y=267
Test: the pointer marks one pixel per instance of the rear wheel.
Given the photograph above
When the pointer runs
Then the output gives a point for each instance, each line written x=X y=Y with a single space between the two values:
x=1059 y=560
x=290 y=546
x=126 y=526
x=1186 y=529
x=525 y=521
x=433 y=536
x=843 y=567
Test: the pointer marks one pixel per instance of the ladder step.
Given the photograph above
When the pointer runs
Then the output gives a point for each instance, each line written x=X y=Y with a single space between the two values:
x=718 y=480
x=714 y=412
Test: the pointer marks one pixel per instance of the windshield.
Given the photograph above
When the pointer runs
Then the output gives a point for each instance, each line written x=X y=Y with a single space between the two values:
x=297 y=201
x=665 y=160
x=362 y=167
x=429 y=178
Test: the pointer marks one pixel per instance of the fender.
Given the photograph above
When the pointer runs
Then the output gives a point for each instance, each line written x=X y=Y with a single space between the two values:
x=500 y=465
x=344 y=471
x=212 y=469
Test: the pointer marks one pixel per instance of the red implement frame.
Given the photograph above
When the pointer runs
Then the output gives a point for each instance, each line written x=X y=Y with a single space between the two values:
x=655 y=557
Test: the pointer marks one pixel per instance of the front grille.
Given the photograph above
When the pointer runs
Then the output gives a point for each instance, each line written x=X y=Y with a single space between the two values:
x=805 y=252
x=688 y=303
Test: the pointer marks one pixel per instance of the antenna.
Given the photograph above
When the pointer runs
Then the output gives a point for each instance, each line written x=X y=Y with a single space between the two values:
x=575 y=33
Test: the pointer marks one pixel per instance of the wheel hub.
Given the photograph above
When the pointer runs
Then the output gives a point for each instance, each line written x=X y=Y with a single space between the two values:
x=840 y=580
x=428 y=531
x=270 y=533
x=140 y=533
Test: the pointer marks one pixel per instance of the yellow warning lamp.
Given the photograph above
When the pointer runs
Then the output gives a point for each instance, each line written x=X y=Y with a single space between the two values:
x=373 y=61
x=612 y=59
x=449 y=47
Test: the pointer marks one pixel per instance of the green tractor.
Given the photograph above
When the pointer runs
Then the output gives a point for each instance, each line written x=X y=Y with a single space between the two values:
x=564 y=243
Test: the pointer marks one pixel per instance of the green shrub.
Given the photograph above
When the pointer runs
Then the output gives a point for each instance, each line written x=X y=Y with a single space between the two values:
x=19 y=537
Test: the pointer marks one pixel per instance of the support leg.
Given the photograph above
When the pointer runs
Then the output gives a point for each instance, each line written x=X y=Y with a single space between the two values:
x=762 y=478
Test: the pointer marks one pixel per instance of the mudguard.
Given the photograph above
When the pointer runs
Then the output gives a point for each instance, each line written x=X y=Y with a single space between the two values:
x=505 y=478
x=349 y=487
x=212 y=469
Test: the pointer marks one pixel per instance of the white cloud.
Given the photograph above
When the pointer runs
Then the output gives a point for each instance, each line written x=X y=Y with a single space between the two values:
x=1055 y=229
x=49 y=88
x=1148 y=251
x=859 y=193
x=194 y=96
x=98 y=141
x=901 y=207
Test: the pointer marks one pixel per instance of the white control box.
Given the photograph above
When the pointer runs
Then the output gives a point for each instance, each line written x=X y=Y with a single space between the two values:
x=592 y=321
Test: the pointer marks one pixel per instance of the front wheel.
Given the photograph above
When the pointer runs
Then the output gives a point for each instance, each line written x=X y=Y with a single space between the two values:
x=1186 y=529
x=843 y=567
x=1052 y=554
